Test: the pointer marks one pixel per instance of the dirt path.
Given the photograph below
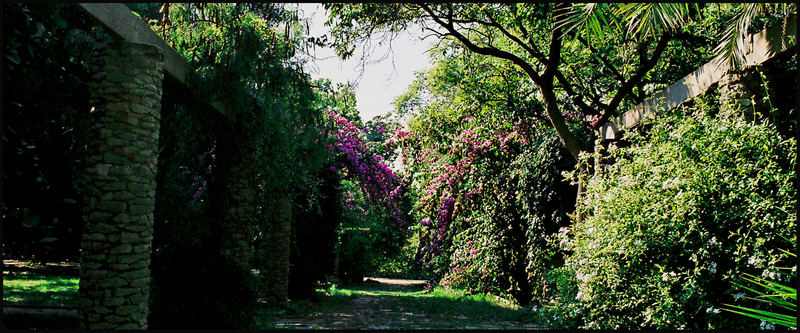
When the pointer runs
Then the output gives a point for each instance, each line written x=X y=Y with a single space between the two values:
x=13 y=265
x=372 y=308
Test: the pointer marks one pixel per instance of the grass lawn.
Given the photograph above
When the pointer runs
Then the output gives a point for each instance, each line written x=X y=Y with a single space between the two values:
x=30 y=288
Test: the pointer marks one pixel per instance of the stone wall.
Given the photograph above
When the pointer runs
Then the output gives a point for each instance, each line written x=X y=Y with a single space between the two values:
x=120 y=193
x=742 y=90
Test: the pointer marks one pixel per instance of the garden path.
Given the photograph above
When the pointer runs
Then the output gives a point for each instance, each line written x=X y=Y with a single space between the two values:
x=381 y=303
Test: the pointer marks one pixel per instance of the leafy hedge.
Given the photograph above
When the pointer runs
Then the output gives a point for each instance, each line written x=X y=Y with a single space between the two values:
x=690 y=205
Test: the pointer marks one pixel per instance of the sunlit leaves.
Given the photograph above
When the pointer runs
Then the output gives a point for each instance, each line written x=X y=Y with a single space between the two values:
x=695 y=201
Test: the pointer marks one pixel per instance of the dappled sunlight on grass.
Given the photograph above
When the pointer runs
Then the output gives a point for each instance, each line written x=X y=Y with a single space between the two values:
x=29 y=288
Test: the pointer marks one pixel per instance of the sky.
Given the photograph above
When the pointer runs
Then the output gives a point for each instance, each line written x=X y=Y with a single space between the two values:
x=382 y=81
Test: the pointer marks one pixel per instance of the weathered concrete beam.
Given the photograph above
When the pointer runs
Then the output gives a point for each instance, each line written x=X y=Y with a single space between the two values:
x=760 y=47
x=121 y=22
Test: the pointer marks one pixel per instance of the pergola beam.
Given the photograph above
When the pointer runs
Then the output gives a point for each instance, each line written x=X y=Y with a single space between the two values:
x=760 y=47
x=122 y=23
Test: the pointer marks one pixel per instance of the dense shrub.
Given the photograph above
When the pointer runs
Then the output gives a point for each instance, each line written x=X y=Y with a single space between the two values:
x=366 y=235
x=691 y=204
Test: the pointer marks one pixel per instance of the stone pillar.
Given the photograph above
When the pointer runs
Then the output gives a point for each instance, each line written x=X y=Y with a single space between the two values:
x=240 y=214
x=120 y=192
x=743 y=91
x=274 y=256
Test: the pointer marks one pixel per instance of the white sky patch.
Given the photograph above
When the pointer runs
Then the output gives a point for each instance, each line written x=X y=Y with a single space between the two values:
x=383 y=79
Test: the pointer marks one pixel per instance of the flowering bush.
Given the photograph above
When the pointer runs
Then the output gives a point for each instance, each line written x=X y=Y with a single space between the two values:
x=381 y=186
x=493 y=198
x=693 y=203
x=373 y=221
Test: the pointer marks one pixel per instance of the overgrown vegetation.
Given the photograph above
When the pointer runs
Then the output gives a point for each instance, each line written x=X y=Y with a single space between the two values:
x=487 y=180
x=690 y=205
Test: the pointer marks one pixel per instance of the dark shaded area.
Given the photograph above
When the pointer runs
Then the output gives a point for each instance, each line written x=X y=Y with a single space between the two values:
x=314 y=237
x=193 y=286
x=47 y=64
x=40 y=320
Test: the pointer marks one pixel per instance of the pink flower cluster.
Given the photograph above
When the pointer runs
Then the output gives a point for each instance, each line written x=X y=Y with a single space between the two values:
x=592 y=119
x=379 y=184
x=468 y=148
x=571 y=114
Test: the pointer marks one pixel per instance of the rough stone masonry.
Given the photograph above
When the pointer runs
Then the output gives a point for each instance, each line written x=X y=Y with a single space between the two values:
x=119 y=197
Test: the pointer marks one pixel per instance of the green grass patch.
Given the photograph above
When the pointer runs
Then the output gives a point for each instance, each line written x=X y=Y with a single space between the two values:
x=30 y=288
x=447 y=307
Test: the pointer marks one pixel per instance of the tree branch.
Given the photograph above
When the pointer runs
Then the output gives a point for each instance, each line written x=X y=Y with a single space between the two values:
x=567 y=86
x=627 y=87
x=490 y=51
x=617 y=75
x=533 y=52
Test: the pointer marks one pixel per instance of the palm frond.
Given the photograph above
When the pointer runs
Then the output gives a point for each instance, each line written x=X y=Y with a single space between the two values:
x=652 y=19
x=595 y=18
x=772 y=294
x=768 y=316
x=732 y=48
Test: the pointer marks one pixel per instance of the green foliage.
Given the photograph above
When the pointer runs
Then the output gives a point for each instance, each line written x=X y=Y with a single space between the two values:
x=270 y=123
x=732 y=47
x=404 y=264
x=776 y=294
x=473 y=141
x=246 y=60
x=687 y=207
x=510 y=206
x=599 y=71
x=366 y=237
x=48 y=52
x=340 y=99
